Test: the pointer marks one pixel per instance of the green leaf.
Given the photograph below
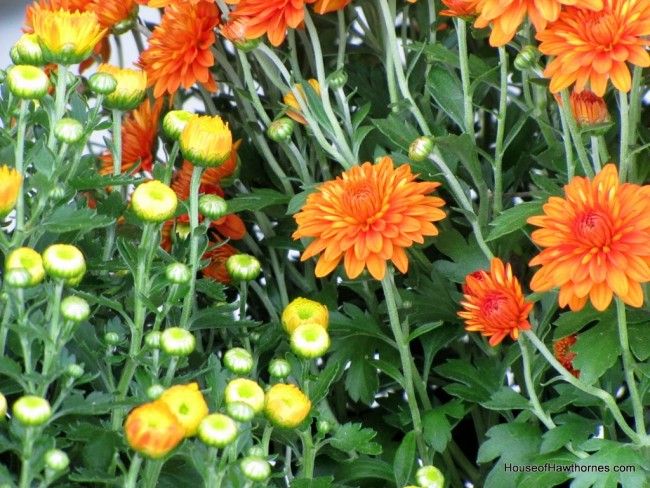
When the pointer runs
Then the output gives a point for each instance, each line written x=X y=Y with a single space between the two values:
x=610 y=455
x=437 y=428
x=424 y=329
x=42 y=159
x=93 y=182
x=316 y=106
x=404 y=462
x=444 y=86
x=211 y=288
x=68 y=219
x=298 y=200
x=572 y=322
x=596 y=351
x=513 y=219
x=351 y=437
x=640 y=345
x=320 y=482
x=572 y=429
x=506 y=399
x=363 y=468
x=389 y=369
x=398 y=132
x=472 y=383
x=256 y=200
x=319 y=389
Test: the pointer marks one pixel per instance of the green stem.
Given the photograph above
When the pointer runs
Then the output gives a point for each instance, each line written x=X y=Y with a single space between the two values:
x=575 y=134
x=26 y=475
x=188 y=302
x=117 y=170
x=20 y=158
x=134 y=469
x=59 y=103
x=468 y=95
x=501 y=130
x=624 y=155
x=635 y=114
x=401 y=338
x=590 y=390
x=629 y=366
x=243 y=299
x=266 y=437
x=308 y=455
x=51 y=348
x=595 y=152
x=568 y=147
x=169 y=169
x=152 y=472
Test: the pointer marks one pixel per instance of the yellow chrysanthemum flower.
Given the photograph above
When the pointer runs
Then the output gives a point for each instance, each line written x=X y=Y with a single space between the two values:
x=131 y=87
x=286 y=406
x=10 y=182
x=186 y=402
x=206 y=141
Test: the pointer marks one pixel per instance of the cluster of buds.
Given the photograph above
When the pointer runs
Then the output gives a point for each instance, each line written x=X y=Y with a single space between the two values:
x=62 y=262
x=306 y=322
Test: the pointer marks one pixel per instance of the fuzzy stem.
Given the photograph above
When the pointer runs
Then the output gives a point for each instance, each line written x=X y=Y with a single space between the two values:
x=501 y=129
x=575 y=135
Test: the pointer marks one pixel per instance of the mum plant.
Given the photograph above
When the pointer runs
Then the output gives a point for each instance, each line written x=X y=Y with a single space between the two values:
x=325 y=243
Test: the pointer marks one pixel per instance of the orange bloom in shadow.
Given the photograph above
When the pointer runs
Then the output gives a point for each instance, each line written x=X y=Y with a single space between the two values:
x=179 y=48
x=111 y=12
x=217 y=267
x=588 y=108
x=595 y=46
x=367 y=216
x=270 y=17
x=494 y=304
x=596 y=242
x=325 y=6
x=507 y=15
x=139 y=132
x=561 y=351
x=460 y=8
x=153 y=430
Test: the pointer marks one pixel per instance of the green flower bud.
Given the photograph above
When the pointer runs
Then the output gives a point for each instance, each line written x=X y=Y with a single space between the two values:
x=430 y=477
x=177 y=342
x=74 y=371
x=112 y=338
x=155 y=391
x=281 y=129
x=124 y=26
x=68 y=130
x=238 y=360
x=213 y=207
x=245 y=391
x=28 y=51
x=26 y=259
x=420 y=148
x=3 y=75
x=217 y=430
x=178 y=273
x=17 y=278
x=240 y=411
x=15 y=55
x=247 y=45
x=28 y=82
x=323 y=427
x=32 y=410
x=243 y=267
x=3 y=407
x=527 y=58
x=64 y=261
x=154 y=202
x=102 y=83
x=338 y=79
x=255 y=469
x=75 y=309
x=255 y=451
x=310 y=341
x=279 y=368
x=57 y=193
x=153 y=339
x=174 y=123
x=56 y=460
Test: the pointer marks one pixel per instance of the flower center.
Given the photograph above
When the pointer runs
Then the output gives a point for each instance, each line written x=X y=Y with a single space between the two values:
x=493 y=305
x=593 y=229
x=362 y=202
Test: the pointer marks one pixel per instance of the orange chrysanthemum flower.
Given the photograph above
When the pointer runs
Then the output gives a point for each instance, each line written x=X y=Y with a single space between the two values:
x=588 y=108
x=507 y=15
x=494 y=304
x=217 y=268
x=179 y=48
x=153 y=430
x=112 y=12
x=561 y=351
x=139 y=132
x=594 y=46
x=367 y=216
x=596 y=242
x=460 y=8
x=270 y=17
x=325 y=6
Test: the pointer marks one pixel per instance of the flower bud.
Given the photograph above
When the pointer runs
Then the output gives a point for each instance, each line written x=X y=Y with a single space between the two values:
x=3 y=75
x=293 y=105
x=28 y=51
x=527 y=58
x=286 y=406
x=178 y=273
x=420 y=148
x=57 y=193
x=154 y=392
x=131 y=86
x=255 y=451
x=247 y=45
x=279 y=368
x=217 y=430
x=10 y=188
x=243 y=267
x=323 y=427
x=240 y=411
x=304 y=311
x=74 y=371
x=102 y=83
x=213 y=207
x=28 y=260
x=310 y=341
x=177 y=342
x=152 y=339
x=430 y=477
x=3 y=407
x=153 y=430
x=245 y=391
x=32 y=410
x=280 y=130
x=28 y=82
x=112 y=338
x=238 y=360
x=174 y=123
x=206 y=141
x=338 y=79
x=75 y=309
x=56 y=460
x=64 y=261
x=255 y=469
x=187 y=403
x=17 y=278
x=154 y=202
x=68 y=130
